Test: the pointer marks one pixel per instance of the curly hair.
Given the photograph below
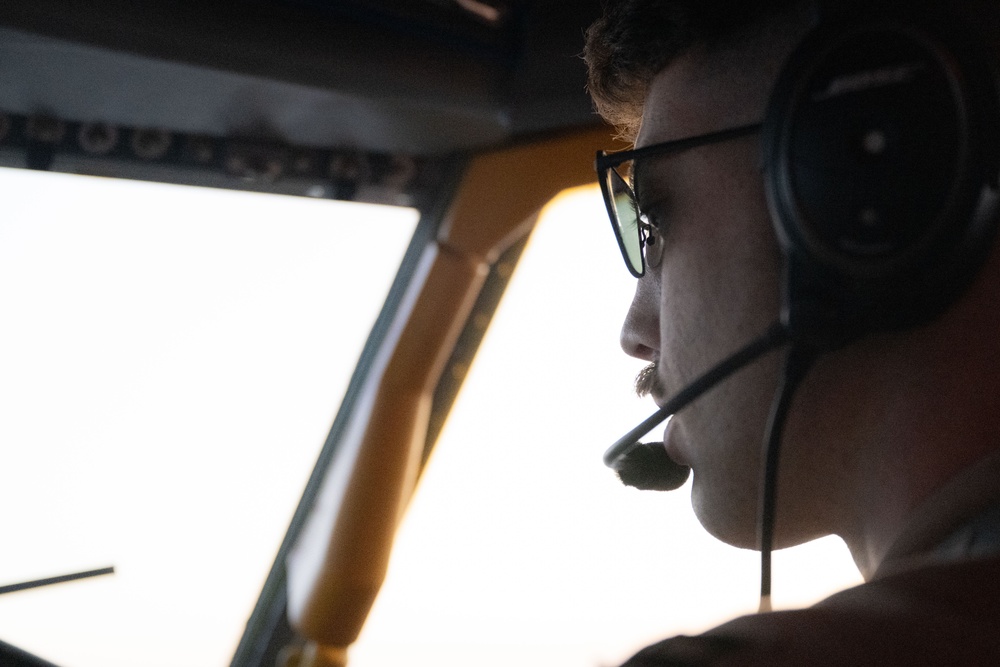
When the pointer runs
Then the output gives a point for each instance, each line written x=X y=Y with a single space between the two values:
x=635 y=39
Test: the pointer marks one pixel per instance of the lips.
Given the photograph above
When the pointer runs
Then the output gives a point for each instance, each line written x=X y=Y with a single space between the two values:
x=672 y=443
x=653 y=383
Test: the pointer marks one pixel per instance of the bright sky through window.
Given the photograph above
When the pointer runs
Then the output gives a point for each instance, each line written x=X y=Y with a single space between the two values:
x=171 y=360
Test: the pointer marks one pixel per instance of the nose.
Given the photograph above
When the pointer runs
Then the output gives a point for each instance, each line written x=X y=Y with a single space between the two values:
x=640 y=337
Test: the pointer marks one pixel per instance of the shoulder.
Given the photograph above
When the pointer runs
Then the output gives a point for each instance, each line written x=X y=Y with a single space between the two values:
x=947 y=614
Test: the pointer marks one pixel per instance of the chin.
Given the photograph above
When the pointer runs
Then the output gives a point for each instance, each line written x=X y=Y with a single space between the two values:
x=728 y=514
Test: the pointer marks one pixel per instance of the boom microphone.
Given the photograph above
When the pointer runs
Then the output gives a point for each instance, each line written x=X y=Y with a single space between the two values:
x=646 y=465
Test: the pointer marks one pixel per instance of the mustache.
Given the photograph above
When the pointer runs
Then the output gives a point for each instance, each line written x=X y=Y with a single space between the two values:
x=648 y=381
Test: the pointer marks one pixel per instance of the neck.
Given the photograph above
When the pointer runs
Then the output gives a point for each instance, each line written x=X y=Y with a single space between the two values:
x=932 y=425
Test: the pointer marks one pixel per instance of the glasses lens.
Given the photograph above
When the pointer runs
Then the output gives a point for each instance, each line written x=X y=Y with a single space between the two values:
x=626 y=220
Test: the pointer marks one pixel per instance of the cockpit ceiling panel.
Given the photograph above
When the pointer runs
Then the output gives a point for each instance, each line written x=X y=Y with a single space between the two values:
x=484 y=29
x=82 y=83
x=423 y=77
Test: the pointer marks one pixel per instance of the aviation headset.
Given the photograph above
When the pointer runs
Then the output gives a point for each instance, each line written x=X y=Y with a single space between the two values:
x=881 y=155
x=881 y=158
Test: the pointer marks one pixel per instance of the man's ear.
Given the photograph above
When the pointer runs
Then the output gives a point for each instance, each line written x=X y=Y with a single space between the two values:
x=881 y=155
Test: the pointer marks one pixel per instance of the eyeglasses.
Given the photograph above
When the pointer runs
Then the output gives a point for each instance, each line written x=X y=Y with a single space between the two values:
x=637 y=238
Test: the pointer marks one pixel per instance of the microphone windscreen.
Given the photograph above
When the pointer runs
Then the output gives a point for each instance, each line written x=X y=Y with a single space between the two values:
x=647 y=466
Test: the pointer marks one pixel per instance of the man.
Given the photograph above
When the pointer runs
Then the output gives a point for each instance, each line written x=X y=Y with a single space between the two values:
x=892 y=441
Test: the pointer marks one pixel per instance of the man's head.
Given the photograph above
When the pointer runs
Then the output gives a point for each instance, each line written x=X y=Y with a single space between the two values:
x=664 y=70
x=716 y=286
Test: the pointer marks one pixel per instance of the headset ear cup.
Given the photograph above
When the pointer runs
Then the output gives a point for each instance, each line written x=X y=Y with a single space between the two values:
x=880 y=160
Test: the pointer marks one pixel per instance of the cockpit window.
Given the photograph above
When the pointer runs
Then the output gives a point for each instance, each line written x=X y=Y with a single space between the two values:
x=171 y=359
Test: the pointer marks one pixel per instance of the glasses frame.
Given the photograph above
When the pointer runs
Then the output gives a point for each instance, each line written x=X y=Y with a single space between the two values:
x=606 y=162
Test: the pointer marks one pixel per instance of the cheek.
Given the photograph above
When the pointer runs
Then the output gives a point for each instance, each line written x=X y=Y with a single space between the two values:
x=720 y=290
x=720 y=277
